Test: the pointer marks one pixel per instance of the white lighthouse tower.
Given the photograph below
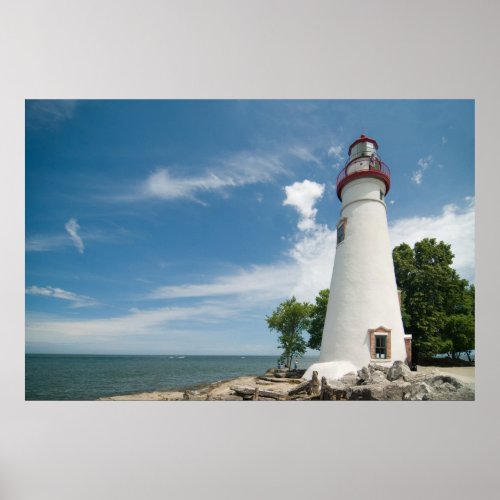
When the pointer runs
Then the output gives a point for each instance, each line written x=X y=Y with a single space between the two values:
x=363 y=321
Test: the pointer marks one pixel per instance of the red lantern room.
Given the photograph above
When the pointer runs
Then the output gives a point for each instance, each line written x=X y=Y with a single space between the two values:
x=363 y=162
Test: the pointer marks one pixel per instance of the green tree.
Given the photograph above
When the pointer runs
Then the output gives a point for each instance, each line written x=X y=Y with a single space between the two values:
x=318 y=316
x=432 y=291
x=290 y=319
x=459 y=335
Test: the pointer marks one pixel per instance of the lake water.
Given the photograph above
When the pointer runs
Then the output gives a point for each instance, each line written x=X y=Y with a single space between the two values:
x=88 y=377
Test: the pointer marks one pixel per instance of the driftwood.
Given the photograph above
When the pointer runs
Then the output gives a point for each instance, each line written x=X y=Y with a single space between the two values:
x=330 y=393
x=310 y=387
x=255 y=396
x=250 y=392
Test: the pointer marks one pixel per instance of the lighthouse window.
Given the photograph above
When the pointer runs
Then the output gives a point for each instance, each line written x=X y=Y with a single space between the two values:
x=341 y=231
x=380 y=346
x=381 y=195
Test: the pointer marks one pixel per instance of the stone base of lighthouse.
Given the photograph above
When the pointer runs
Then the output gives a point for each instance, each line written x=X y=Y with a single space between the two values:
x=333 y=370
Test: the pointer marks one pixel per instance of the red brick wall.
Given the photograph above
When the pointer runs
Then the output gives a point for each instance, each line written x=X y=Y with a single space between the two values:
x=408 y=349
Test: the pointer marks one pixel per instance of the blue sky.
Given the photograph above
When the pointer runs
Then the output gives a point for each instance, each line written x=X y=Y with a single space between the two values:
x=174 y=227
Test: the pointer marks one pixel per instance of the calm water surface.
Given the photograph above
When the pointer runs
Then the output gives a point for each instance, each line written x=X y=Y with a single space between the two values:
x=88 y=377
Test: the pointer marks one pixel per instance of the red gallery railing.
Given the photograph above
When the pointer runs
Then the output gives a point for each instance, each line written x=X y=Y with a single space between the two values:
x=375 y=168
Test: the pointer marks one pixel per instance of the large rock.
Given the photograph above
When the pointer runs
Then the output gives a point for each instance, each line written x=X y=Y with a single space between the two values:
x=366 y=393
x=376 y=367
x=395 y=391
x=446 y=393
x=363 y=375
x=349 y=379
x=398 y=370
x=419 y=391
x=376 y=377
x=441 y=381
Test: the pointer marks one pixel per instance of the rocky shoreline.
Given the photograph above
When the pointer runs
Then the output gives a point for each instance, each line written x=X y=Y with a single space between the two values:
x=371 y=383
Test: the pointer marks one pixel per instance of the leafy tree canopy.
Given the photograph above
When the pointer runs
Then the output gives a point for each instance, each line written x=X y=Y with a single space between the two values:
x=290 y=319
x=318 y=317
x=432 y=292
x=459 y=334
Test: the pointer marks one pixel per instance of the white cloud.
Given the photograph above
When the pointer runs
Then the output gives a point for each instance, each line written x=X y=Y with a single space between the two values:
x=443 y=140
x=454 y=225
x=306 y=270
x=303 y=196
x=424 y=164
x=417 y=177
x=42 y=243
x=47 y=112
x=72 y=228
x=53 y=242
x=305 y=154
x=236 y=171
x=268 y=281
x=336 y=152
x=135 y=323
x=59 y=293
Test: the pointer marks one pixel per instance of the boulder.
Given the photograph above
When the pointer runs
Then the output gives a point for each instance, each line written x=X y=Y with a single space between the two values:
x=398 y=370
x=366 y=392
x=376 y=377
x=363 y=375
x=375 y=367
x=395 y=391
x=446 y=393
x=348 y=379
x=419 y=391
x=438 y=381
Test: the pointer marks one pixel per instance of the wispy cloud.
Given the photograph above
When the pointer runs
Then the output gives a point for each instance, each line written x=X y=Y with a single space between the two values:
x=336 y=152
x=64 y=239
x=423 y=164
x=443 y=140
x=137 y=323
x=267 y=282
x=59 y=293
x=306 y=155
x=303 y=196
x=46 y=243
x=49 y=112
x=232 y=172
x=72 y=228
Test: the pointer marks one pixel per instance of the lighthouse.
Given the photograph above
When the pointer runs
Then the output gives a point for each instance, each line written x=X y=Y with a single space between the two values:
x=363 y=322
